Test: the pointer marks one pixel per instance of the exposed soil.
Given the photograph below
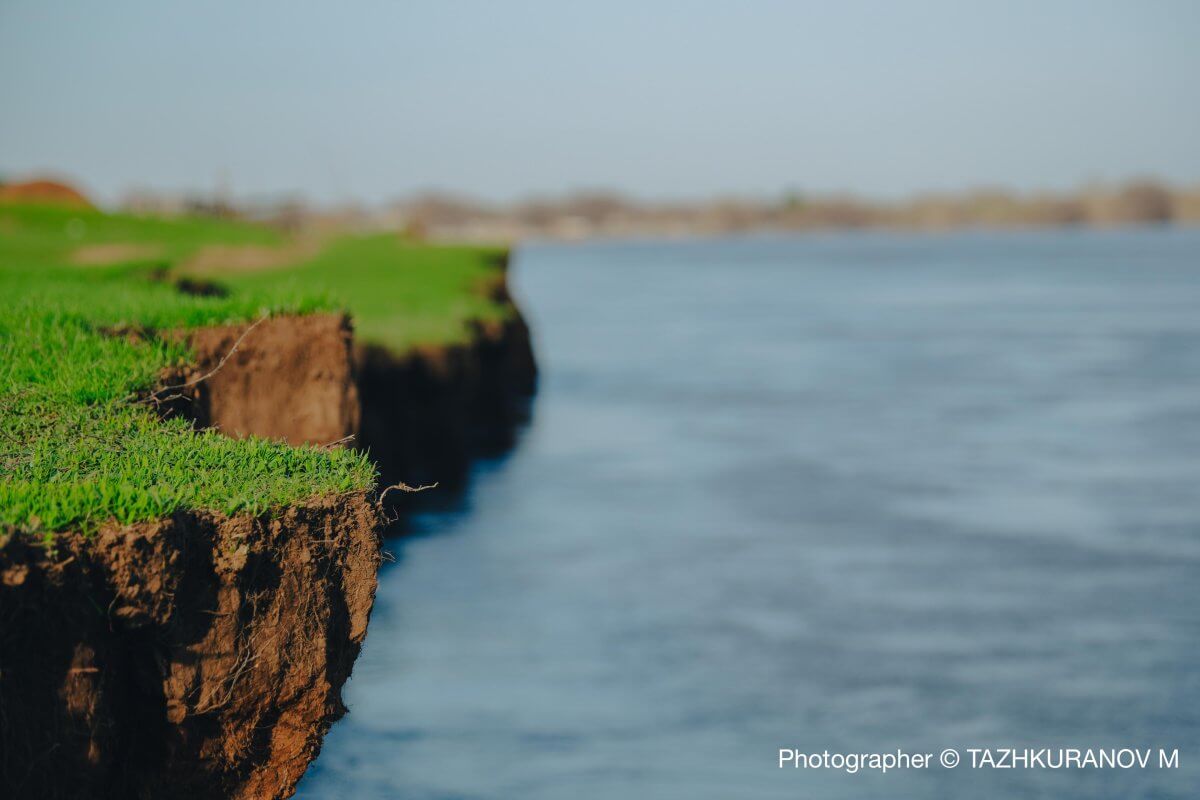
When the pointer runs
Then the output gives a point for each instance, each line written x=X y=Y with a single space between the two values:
x=203 y=655
x=217 y=259
x=200 y=656
x=290 y=378
x=101 y=254
x=44 y=191
x=426 y=413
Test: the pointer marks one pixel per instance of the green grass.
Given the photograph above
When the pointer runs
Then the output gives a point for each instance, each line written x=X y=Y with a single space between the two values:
x=48 y=234
x=76 y=448
x=400 y=294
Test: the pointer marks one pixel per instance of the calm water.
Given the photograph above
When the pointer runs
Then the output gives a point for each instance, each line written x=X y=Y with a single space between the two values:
x=845 y=493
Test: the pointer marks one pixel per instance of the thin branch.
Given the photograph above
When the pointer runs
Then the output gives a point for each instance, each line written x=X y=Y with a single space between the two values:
x=404 y=487
x=220 y=363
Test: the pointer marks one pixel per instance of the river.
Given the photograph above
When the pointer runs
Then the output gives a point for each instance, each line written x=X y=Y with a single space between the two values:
x=857 y=493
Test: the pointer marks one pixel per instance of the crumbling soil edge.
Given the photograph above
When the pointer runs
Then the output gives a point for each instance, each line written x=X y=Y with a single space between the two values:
x=429 y=412
x=197 y=656
x=204 y=655
x=201 y=655
x=286 y=377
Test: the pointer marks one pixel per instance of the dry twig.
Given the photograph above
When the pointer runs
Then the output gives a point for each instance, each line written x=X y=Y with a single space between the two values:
x=404 y=487
x=220 y=363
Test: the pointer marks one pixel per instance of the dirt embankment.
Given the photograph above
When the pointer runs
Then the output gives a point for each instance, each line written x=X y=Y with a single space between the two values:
x=426 y=413
x=289 y=378
x=200 y=656
x=203 y=655
x=44 y=190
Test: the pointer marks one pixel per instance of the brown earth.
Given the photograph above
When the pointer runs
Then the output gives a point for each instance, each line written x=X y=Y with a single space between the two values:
x=216 y=259
x=200 y=656
x=46 y=191
x=98 y=255
x=289 y=378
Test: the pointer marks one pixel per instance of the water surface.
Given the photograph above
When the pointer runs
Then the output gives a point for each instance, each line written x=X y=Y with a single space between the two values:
x=847 y=493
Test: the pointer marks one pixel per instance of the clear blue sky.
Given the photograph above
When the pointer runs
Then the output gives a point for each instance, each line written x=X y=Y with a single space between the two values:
x=370 y=100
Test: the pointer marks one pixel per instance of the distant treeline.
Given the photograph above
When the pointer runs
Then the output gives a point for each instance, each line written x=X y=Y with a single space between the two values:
x=609 y=214
x=587 y=214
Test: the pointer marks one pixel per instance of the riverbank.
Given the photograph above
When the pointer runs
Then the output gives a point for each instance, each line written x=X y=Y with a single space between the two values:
x=443 y=357
x=191 y=523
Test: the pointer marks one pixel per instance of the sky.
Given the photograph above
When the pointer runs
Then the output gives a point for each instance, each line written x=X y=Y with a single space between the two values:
x=367 y=101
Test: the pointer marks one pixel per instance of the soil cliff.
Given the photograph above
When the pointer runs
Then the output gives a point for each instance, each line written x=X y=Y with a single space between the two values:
x=428 y=411
x=201 y=655
x=289 y=378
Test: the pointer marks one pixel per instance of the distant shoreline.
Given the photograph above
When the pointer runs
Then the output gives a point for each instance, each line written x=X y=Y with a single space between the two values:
x=608 y=216
x=603 y=214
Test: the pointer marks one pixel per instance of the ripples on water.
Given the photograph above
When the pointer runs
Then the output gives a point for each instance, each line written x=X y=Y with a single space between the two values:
x=854 y=493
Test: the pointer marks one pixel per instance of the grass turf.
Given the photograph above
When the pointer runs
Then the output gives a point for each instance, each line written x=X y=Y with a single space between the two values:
x=77 y=449
x=400 y=294
x=32 y=234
